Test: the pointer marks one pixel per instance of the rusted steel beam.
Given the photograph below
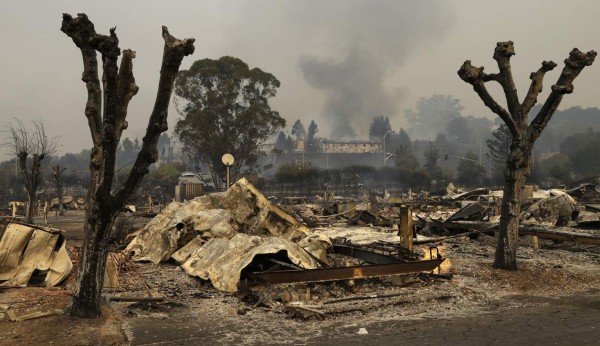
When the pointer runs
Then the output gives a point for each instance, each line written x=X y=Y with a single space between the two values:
x=346 y=273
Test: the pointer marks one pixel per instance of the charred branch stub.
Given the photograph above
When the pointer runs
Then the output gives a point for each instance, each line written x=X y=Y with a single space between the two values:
x=119 y=87
x=516 y=116
x=174 y=52
x=574 y=64
x=127 y=89
x=477 y=78
x=502 y=54
x=537 y=79
x=81 y=31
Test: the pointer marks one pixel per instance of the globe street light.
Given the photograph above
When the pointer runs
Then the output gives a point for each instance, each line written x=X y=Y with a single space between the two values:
x=227 y=160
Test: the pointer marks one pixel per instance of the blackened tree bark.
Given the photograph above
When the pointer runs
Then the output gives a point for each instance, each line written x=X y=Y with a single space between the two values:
x=31 y=147
x=106 y=110
x=523 y=133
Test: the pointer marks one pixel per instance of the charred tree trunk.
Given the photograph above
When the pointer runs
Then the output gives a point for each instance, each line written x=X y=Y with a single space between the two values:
x=524 y=135
x=22 y=157
x=106 y=110
x=31 y=179
x=30 y=206
x=93 y=255
x=518 y=167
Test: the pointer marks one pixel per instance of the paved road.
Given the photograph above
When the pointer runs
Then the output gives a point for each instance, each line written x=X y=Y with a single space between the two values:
x=572 y=321
x=569 y=322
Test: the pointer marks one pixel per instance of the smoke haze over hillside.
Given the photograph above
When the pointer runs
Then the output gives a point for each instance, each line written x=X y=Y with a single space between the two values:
x=377 y=37
x=339 y=62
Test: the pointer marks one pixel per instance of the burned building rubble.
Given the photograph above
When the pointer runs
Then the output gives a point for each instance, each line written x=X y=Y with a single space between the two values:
x=239 y=242
x=238 y=235
x=241 y=229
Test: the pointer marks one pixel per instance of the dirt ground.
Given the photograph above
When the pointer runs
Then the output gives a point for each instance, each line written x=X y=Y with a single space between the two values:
x=553 y=297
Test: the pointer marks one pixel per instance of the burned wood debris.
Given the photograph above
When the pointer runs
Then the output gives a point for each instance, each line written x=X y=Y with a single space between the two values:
x=556 y=215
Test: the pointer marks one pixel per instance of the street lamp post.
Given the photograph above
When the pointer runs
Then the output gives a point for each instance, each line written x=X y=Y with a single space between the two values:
x=479 y=163
x=303 y=150
x=227 y=160
x=384 y=153
x=326 y=153
x=388 y=156
x=385 y=158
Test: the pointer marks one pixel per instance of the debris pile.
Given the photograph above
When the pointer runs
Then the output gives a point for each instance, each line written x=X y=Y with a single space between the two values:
x=68 y=202
x=549 y=214
x=222 y=260
x=241 y=209
x=238 y=238
x=239 y=242
x=217 y=236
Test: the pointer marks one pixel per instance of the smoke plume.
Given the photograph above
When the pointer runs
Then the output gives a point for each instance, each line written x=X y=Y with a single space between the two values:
x=373 y=38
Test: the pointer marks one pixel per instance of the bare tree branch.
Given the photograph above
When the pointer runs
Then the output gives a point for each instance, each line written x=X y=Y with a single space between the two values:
x=17 y=138
x=81 y=31
x=574 y=64
x=57 y=181
x=477 y=78
x=502 y=54
x=537 y=79
x=108 y=46
x=126 y=90
x=174 y=52
x=491 y=77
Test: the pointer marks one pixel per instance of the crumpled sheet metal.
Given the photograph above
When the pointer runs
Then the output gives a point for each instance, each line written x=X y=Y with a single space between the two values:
x=221 y=260
x=537 y=194
x=182 y=255
x=25 y=249
x=258 y=216
x=317 y=245
x=241 y=209
x=175 y=227
x=359 y=235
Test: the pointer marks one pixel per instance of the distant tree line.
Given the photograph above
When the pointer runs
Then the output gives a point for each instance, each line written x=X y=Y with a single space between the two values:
x=470 y=150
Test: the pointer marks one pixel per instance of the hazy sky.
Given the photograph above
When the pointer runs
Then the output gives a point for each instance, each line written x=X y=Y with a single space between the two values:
x=339 y=62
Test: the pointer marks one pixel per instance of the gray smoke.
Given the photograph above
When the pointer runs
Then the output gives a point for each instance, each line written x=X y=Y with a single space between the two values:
x=374 y=37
